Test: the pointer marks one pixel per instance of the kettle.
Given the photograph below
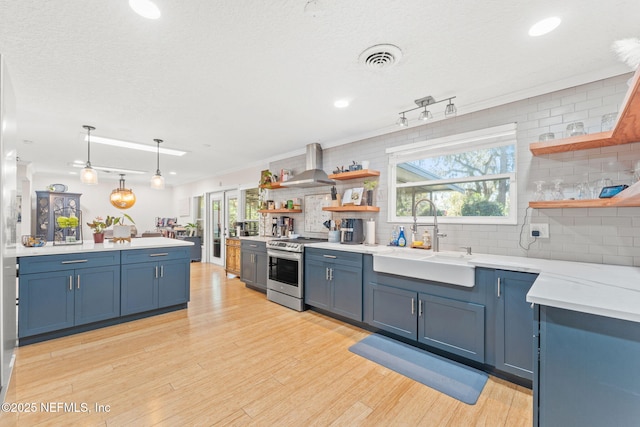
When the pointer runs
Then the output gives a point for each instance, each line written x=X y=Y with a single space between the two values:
x=351 y=231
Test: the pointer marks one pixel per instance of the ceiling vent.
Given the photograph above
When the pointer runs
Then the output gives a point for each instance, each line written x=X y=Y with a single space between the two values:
x=380 y=56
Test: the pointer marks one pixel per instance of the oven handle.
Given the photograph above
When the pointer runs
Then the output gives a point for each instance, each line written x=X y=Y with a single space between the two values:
x=294 y=256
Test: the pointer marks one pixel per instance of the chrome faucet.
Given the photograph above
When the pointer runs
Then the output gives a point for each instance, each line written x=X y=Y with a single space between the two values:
x=436 y=232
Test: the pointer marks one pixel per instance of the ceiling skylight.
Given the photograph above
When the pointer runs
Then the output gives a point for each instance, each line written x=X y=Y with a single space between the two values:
x=545 y=26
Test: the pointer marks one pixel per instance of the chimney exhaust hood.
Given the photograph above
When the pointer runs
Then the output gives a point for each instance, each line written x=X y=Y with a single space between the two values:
x=314 y=175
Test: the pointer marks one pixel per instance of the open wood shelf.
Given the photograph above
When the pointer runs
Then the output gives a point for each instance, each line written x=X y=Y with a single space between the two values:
x=626 y=198
x=626 y=131
x=354 y=174
x=351 y=208
x=281 y=210
x=273 y=186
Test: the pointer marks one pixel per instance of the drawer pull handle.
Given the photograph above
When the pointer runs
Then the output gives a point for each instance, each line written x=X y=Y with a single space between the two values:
x=162 y=254
x=254 y=246
x=330 y=256
x=75 y=261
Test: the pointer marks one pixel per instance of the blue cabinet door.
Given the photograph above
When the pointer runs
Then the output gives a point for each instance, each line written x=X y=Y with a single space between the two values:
x=173 y=282
x=46 y=302
x=452 y=325
x=346 y=291
x=316 y=283
x=247 y=267
x=393 y=310
x=514 y=323
x=97 y=294
x=261 y=260
x=139 y=290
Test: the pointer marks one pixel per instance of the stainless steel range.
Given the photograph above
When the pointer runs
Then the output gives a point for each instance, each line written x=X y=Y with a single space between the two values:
x=285 y=278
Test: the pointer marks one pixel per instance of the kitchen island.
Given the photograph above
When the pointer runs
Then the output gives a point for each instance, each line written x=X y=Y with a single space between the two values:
x=68 y=289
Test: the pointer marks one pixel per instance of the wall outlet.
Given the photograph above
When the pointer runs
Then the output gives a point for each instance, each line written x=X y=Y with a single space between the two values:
x=540 y=231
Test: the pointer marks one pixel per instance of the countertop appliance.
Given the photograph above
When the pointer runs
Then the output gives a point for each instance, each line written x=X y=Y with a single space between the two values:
x=352 y=231
x=285 y=277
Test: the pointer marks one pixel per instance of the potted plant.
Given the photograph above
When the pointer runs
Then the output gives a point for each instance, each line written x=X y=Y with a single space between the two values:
x=121 y=231
x=98 y=225
x=369 y=186
x=192 y=228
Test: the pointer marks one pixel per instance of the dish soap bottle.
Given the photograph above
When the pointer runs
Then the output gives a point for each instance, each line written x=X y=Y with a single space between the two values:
x=426 y=240
x=402 y=241
x=394 y=236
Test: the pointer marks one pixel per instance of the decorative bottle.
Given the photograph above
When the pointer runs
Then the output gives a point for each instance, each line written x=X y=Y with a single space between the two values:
x=402 y=241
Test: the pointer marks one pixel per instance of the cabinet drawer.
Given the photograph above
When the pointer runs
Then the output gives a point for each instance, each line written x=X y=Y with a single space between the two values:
x=148 y=255
x=232 y=242
x=337 y=257
x=253 y=245
x=40 y=264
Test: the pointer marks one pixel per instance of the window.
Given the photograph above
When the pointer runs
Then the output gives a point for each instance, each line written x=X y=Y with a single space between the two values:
x=470 y=178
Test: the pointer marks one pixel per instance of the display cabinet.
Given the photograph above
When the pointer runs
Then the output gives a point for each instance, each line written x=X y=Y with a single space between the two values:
x=50 y=206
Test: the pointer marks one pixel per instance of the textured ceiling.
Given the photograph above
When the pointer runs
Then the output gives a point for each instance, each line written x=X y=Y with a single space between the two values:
x=238 y=82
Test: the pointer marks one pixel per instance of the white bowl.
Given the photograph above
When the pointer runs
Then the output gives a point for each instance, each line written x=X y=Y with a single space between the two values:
x=294 y=236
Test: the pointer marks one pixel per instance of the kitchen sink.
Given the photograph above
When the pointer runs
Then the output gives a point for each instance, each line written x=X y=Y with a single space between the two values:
x=446 y=267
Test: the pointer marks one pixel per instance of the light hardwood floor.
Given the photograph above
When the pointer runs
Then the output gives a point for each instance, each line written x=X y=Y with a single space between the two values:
x=234 y=358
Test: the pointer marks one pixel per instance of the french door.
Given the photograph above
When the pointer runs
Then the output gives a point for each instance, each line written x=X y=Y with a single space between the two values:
x=222 y=214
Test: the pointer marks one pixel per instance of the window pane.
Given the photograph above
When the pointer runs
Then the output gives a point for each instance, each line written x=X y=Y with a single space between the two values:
x=482 y=162
x=251 y=204
x=477 y=198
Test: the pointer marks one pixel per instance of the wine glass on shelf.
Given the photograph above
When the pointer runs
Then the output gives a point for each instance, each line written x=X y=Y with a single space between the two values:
x=558 y=190
x=539 y=195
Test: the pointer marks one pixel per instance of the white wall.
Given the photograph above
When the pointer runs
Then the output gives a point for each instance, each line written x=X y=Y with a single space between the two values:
x=95 y=200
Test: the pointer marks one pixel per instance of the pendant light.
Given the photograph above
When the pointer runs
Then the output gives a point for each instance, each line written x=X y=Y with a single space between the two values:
x=88 y=175
x=121 y=197
x=157 y=180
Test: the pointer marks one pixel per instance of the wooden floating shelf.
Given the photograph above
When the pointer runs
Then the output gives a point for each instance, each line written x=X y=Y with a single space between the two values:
x=273 y=186
x=354 y=174
x=626 y=131
x=627 y=198
x=280 y=210
x=351 y=208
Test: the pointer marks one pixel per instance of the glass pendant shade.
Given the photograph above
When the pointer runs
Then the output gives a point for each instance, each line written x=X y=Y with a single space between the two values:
x=121 y=197
x=450 y=110
x=88 y=175
x=425 y=115
x=402 y=121
x=157 y=182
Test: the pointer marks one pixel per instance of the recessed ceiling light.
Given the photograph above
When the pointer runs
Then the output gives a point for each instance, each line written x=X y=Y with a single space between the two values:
x=173 y=173
x=145 y=8
x=135 y=146
x=341 y=103
x=545 y=26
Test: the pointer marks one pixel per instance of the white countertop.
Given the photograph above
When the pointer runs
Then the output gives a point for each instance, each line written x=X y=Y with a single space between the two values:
x=89 y=246
x=601 y=289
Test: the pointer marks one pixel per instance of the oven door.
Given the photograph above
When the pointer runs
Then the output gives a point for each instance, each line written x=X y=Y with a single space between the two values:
x=285 y=272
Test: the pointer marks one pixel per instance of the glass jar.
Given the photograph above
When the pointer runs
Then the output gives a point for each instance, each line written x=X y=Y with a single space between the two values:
x=608 y=121
x=575 y=129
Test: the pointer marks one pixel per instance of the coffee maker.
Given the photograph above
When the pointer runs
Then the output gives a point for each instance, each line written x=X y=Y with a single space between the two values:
x=351 y=231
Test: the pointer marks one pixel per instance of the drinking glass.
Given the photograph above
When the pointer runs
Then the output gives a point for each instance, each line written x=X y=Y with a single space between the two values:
x=558 y=191
x=575 y=129
x=608 y=121
x=539 y=195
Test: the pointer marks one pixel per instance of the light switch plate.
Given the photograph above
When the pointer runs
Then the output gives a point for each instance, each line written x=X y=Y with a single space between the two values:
x=543 y=229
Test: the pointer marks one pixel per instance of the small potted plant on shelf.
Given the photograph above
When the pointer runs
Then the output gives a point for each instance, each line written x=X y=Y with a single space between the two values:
x=369 y=186
x=121 y=231
x=192 y=228
x=98 y=225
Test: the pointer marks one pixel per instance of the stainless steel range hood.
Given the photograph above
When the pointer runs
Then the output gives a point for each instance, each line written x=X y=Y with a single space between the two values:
x=314 y=175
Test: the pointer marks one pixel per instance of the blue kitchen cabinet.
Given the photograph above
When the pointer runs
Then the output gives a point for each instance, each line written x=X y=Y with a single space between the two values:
x=154 y=278
x=253 y=264
x=333 y=281
x=588 y=370
x=393 y=310
x=513 y=323
x=62 y=291
x=452 y=325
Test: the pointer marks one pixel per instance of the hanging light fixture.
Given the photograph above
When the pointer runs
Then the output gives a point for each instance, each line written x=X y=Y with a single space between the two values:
x=157 y=180
x=122 y=198
x=450 y=110
x=88 y=175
